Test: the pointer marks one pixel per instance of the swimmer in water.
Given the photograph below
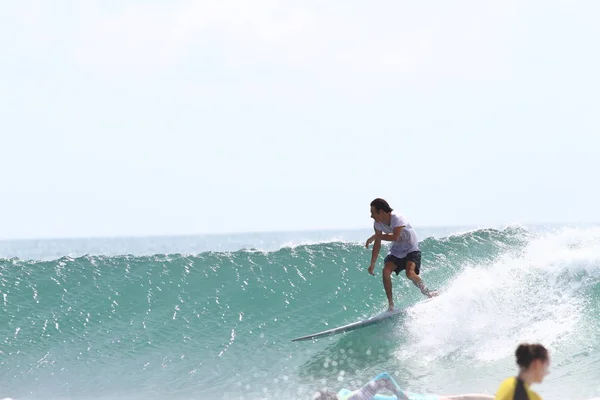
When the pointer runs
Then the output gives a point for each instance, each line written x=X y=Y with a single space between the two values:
x=533 y=362
x=382 y=382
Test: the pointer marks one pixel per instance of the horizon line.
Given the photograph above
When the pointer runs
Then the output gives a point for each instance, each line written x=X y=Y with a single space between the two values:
x=238 y=233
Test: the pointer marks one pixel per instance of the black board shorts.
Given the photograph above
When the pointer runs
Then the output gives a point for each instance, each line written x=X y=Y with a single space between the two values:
x=414 y=256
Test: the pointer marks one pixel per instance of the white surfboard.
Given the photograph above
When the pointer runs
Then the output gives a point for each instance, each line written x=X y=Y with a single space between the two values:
x=354 y=325
x=359 y=324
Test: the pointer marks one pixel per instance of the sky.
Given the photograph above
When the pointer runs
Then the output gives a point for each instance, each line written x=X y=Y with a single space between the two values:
x=190 y=117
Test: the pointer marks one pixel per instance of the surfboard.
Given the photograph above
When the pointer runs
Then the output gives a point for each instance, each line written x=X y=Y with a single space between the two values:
x=362 y=323
x=354 y=325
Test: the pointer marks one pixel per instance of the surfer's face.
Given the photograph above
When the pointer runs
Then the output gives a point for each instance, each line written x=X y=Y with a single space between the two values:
x=376 y=214
x=541 y=369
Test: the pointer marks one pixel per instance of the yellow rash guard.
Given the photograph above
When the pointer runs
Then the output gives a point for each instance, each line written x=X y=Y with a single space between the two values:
x=515 y=389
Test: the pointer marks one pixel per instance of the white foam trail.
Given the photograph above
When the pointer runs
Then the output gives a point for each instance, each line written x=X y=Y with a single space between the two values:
x=488 y=309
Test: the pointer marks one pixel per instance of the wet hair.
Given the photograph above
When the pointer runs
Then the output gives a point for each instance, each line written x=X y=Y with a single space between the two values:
x=381 y=204
x=526 y=353
x=325 y=395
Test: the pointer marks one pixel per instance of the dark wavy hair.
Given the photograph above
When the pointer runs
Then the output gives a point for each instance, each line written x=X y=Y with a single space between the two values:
x=526 y=353
x=381 y=204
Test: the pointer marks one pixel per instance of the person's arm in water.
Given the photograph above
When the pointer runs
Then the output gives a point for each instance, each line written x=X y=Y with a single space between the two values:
x=376 y=247
x=380 y=382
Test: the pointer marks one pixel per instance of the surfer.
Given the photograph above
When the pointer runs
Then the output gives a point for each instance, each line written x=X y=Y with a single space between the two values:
x=404 y=253
x=384 y=381
x=533 y=362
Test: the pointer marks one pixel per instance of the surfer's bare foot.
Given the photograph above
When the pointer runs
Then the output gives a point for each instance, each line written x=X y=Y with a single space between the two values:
x=391 y=307
x=433 y=293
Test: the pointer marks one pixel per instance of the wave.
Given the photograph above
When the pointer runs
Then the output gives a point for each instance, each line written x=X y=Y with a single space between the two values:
x=132 y=318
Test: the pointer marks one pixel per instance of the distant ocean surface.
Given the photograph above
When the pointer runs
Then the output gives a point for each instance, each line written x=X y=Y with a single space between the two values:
x=212 y=317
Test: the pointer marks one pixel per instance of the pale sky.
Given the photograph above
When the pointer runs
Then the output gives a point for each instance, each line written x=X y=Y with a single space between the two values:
x=182 y=117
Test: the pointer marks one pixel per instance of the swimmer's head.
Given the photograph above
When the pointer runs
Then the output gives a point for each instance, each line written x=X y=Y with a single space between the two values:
x=533 y=358
x=325 y=395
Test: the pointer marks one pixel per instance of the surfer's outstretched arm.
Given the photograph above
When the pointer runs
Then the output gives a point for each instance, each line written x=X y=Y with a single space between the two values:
x=380 y=382
x=376 y=247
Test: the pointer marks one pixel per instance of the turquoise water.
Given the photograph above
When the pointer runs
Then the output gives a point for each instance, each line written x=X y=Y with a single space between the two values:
x=213 y=317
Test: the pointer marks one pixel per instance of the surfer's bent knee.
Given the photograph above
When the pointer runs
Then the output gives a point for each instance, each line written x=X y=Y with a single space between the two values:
x=410 y=270
x=388 y=268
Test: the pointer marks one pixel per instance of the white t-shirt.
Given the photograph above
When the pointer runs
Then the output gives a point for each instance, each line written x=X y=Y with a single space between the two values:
x=408 y=240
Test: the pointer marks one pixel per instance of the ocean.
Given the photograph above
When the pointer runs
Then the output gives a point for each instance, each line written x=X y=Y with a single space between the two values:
x=212 y=316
